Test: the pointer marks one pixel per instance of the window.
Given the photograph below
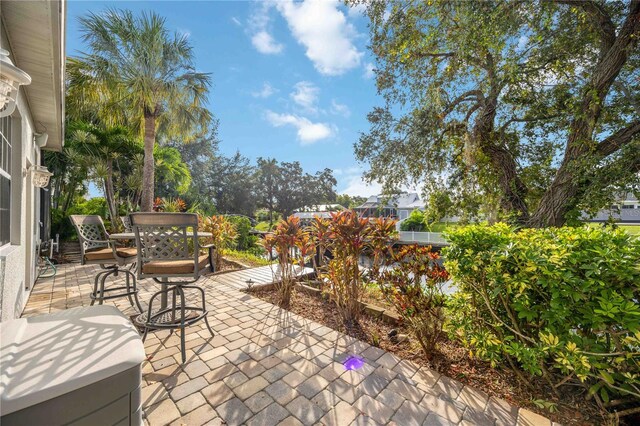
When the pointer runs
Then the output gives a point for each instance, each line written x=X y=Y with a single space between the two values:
x=5 y=180
x=628 y=206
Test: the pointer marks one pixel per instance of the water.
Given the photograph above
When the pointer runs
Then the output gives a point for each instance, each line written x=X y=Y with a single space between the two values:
x=447 y=288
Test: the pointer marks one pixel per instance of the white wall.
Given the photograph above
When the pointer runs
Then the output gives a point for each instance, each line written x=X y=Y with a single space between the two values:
x=17 y=259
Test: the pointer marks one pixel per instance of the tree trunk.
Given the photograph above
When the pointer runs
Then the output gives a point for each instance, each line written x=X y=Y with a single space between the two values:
x=109 y=195
x=563 y=194
x=148 y=179
x=502 y=162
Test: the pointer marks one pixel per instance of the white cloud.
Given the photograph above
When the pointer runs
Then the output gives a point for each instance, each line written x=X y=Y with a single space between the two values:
x=357 y=186
x=265 y=43
x=305 y=94
x=236 y=21
x=258 y=29
x=322 y=28
x=308 y=132
x=340 y=109
x=369 y=70
x=266 y=91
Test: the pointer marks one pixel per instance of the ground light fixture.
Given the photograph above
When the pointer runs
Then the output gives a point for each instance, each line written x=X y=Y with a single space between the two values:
x=11 y=78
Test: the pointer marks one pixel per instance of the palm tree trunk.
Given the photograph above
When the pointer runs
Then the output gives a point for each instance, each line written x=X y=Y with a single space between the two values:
x=109 y=195
x=148 y=170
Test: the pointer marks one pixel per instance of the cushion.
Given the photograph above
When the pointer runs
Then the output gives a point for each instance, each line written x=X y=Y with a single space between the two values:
x=106 y=253
x=174 y=266
x=127 y=251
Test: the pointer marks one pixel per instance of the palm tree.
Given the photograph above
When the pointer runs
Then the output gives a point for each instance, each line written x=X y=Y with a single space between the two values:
x=104 y=146
x=139 y=73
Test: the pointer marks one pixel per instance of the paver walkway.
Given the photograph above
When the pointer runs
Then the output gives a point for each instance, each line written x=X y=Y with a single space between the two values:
x=258 y=277
x=267 y=366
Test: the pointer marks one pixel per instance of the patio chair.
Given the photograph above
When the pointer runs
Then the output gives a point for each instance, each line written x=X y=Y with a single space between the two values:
x=97 y=249
x=169 y=253
x=126 y=223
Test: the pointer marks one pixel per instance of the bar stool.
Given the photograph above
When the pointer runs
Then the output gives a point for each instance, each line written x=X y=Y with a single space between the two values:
x=97 y=249
x=169 y=252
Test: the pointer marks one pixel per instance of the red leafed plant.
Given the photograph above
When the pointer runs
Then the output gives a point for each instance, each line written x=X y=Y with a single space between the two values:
x=347 y=237
x=293 y=246
x=414 y=287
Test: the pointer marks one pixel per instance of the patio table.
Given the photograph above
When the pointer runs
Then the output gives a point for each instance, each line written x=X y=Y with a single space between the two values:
x=128 y=236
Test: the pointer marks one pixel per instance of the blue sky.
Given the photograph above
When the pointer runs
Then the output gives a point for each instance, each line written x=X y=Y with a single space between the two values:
x=291 y=80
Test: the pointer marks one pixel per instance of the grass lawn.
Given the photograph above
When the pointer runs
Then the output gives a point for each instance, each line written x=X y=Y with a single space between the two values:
x=631 y=229
x=262 y=226
x=246 y=258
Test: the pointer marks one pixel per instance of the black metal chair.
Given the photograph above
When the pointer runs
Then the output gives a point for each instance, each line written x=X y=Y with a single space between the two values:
x=97 y=249
x=169 y=253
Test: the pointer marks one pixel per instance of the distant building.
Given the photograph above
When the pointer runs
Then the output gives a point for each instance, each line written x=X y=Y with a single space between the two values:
x=319 y=210
x=625 y=211
x=397 y=206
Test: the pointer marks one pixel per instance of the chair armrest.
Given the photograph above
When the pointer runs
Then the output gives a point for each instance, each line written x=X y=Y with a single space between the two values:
x=208 y=246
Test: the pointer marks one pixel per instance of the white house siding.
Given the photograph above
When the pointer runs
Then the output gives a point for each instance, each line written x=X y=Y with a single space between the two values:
x=17 y=259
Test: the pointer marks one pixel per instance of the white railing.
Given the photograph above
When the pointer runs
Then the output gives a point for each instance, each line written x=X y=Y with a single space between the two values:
x=623 y=215
x=421 y=237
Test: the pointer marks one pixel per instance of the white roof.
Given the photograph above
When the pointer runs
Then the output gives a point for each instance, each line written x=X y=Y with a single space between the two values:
x=407 y=200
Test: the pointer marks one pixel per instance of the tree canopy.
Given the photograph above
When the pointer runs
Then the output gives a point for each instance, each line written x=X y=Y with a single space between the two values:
x=526 y=110
x=285 y=187
x=140 y=75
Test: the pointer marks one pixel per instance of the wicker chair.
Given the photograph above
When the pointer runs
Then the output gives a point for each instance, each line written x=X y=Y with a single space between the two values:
x=96 y=249
x=169 y=253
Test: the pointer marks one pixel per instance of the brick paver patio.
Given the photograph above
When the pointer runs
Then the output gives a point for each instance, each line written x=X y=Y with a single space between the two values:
x=267 y=366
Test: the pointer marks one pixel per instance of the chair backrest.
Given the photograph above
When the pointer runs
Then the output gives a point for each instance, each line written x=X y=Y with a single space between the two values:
x=126 y=222
x=91 y=232
x=166 y=237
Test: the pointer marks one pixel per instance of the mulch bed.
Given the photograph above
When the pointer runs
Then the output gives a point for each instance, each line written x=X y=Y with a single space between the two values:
x=452 y=360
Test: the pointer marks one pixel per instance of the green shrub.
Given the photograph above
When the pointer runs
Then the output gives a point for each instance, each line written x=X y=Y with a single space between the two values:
x=415 y=222
x=245 y=240
x=61 y=224
x=562 y=303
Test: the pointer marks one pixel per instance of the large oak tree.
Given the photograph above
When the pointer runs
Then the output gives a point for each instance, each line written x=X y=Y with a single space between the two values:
x=531 y=108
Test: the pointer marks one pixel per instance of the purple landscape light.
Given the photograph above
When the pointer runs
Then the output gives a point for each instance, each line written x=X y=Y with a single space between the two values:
x=353 y=363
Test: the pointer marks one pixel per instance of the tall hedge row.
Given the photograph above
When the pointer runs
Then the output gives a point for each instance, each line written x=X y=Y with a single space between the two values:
x=560 y=303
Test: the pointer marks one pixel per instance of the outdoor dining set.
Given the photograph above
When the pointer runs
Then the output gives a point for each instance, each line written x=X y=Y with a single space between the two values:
x=167 y=249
